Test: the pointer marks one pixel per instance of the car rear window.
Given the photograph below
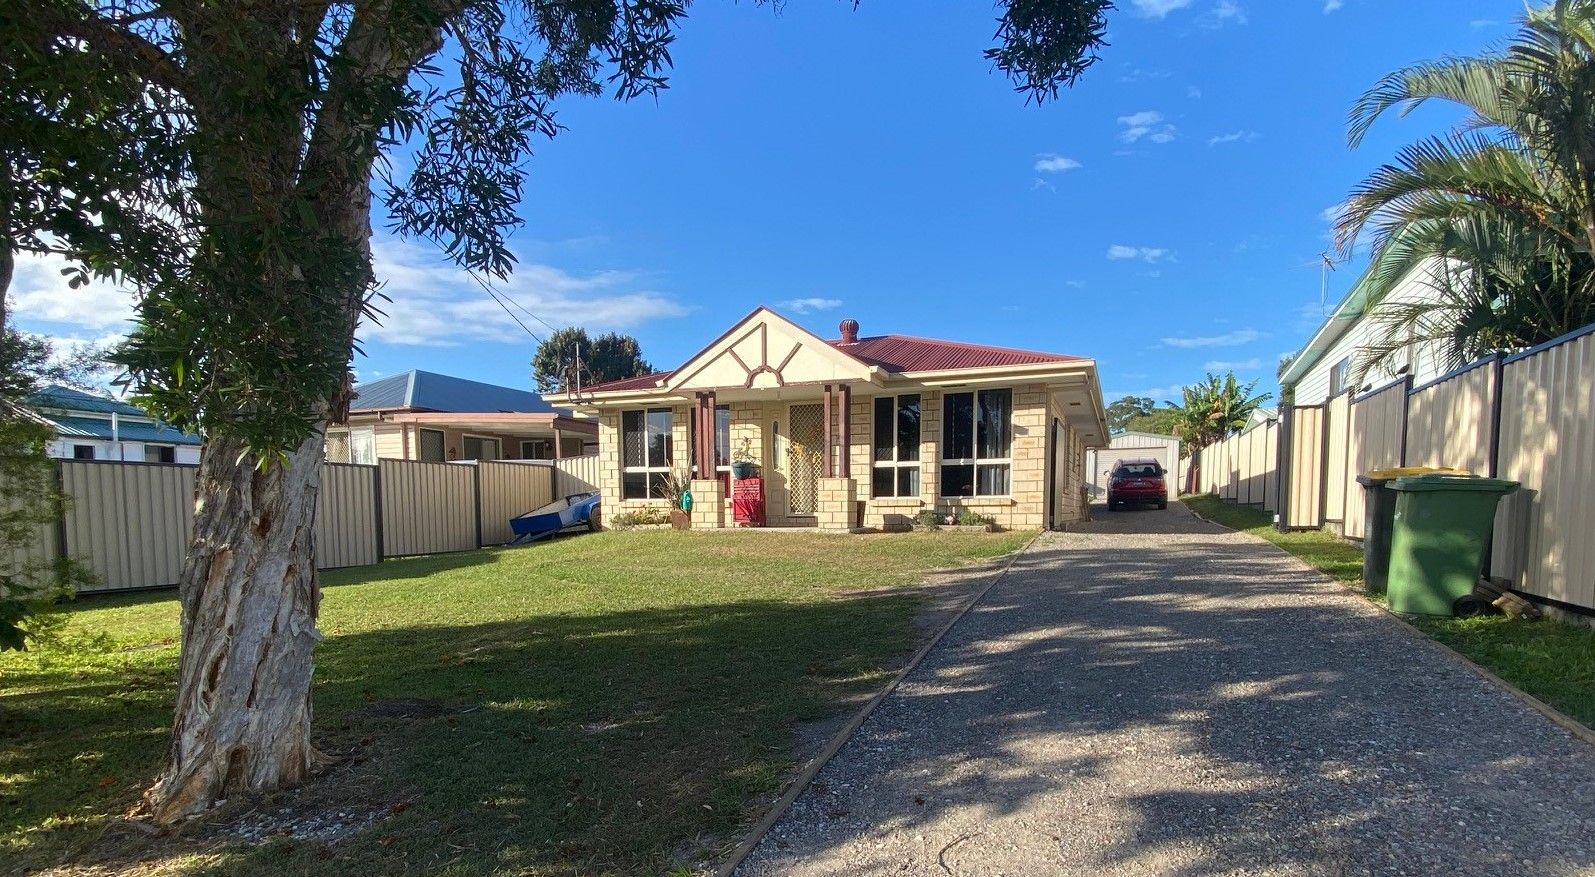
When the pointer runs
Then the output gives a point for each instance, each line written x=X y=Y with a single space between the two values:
x=1143 y=470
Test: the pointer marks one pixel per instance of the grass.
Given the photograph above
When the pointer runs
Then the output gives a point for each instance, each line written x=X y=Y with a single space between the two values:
x=609 y=704
x=1553 y=662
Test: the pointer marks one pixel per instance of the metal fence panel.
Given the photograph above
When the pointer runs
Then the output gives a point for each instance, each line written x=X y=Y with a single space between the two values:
x=129 y=523
x=346 y=517
x=1337 y=437
x=1448 y=422
x=1376 y=433
x=427 y=508
x=576 y=475
x=1304 y=493
x=511 y=489
x=1543 y=534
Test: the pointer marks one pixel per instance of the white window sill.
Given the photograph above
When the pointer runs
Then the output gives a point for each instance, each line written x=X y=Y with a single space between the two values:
x=897 y=502
x=977 y=500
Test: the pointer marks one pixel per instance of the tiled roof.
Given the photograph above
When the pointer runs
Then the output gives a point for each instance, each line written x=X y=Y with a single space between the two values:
x=429 y=391
x=895 y=353
x=905 y=353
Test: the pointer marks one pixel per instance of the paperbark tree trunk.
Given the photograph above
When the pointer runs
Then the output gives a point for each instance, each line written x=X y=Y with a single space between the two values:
x=250 y=596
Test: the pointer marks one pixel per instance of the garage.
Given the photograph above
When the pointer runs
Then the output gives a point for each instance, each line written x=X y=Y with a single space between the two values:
x=1130 y=445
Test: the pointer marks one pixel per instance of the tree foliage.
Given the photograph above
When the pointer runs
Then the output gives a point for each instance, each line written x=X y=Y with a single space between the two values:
x=1498 y=213
x=1121 y=412
x=1215 y=408
x=568 y=358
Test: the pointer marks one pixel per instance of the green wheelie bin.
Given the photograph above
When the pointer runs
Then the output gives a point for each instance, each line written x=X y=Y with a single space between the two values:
x=1437 y=543
x=1379 y=501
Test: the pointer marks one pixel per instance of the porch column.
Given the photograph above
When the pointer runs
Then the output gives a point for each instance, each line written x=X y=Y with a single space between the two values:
x=845 y=402
x=827 y=470
x=558 y=454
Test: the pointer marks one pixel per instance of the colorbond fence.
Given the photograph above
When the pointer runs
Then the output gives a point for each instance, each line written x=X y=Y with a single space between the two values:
x=1529 y=417
x=129 y=523
x=1244 y=467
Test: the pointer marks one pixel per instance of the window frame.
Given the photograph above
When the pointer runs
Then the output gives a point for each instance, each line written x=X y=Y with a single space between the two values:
x=163 y=453
x=648 y=471
x=1340 y=377
x=443 y=445
x=721 y=466
x=535 y=441
x=498 y=445
x=366 y=436
x=896 y=464
x=78 y=449
x=976 y=461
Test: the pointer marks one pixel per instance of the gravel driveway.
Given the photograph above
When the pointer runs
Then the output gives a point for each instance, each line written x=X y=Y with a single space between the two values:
x=1162 y=696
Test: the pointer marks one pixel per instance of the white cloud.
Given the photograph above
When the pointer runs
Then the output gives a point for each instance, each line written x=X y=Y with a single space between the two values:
x=810 y=305
x=1244 y=365
x=1053 y=163
x=1333 y=5
x=1331 y=214
x=1039 y=183
x=40 y=292
x=1139 y=75
x=1224 y=12
x=1159 y=395
x=1228 y=339
x=1232 y=137
x=1148 y=124
x=1158 y=8
x=1482 y=23
x=1193 y=92
x=1120 y=252
x=435 y=304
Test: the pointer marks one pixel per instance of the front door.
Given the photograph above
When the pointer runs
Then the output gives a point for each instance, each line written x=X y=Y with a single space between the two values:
x=806 y=438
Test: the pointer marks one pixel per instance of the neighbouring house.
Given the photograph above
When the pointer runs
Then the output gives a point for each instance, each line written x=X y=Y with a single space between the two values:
x=853 y=432
x=1131 y=445
x=90 y=427
x=1328 y=364
x=425 y=416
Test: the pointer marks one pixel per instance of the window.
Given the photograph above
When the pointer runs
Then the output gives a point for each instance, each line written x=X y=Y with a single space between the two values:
x=1138 y=470
x=537 y=449
x=645 y=453
x=429 y=446
x=160 y=454
x=896 y=446
x=722 y=439
x=337 y=446
x=1339 y=377
x=82 y=452
x=572 y=446
x=363 y=446
x=977 y=436
x=477 y=447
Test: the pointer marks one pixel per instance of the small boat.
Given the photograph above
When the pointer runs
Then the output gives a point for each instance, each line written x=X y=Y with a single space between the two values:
x=562 y=514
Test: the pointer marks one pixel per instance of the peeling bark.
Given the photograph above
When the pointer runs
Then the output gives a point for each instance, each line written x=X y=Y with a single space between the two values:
x=250 y=596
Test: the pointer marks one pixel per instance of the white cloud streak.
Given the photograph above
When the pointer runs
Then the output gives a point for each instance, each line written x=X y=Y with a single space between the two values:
x=1236 y=338
x=1232 y=137
x=1148 y=124
x=1122 y=252
x=1158 y=8
x=1053 y=163
x=811 y=305
x=1244 y=365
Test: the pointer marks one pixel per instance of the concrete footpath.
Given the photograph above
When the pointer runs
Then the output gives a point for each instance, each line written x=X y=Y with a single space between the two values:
x=1160 y=696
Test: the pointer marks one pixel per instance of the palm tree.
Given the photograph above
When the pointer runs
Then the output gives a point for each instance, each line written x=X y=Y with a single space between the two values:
x=1500 y=211
x=1215 y=408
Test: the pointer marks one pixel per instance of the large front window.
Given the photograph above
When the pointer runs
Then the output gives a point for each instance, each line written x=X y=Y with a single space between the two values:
x=645 y=453
x=977 y=439
x=722 y=440
x=896 y=446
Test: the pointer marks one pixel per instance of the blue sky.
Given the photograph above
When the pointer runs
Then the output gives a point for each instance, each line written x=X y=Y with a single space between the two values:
x=1164 y=217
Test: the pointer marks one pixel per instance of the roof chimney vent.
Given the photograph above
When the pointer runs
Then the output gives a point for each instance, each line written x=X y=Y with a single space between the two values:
x=849 y=331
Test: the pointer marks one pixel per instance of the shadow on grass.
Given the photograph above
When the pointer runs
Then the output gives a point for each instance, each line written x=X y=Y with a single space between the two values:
x=612 y=743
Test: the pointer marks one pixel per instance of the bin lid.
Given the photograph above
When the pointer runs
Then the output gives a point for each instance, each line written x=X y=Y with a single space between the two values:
x=1405 y=471
x=1473 y=483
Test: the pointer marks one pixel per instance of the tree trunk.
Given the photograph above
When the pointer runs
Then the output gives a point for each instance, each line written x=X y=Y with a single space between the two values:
x=250 y=596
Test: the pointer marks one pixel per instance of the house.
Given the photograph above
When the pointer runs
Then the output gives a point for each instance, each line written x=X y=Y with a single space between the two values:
x=854 y=432
x=422 y=415
x=1327 y=366
x=90 y=427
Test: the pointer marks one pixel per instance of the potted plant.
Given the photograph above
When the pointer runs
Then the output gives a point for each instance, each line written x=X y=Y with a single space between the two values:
x=674 y=489
x=742 y=465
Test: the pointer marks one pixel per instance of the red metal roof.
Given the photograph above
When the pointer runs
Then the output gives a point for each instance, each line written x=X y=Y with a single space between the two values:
x=895 y=353
x=905 y=353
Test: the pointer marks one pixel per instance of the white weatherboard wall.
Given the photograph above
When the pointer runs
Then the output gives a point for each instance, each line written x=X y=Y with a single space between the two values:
x=1313 y=388
x=1130 y=445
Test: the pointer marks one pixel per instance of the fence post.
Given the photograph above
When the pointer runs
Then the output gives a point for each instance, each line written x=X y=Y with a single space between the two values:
x=1497 y=395
x=476 y=485
x=1406 y=413
x=1282 y=461
x=61 y=500
x=376 y=499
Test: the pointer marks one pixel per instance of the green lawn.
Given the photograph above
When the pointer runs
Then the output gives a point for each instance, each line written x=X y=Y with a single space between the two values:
x=617 y=703
x=1554 y=662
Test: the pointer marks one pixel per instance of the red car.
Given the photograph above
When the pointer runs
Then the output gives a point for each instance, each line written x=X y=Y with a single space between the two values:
x=1137 y=481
